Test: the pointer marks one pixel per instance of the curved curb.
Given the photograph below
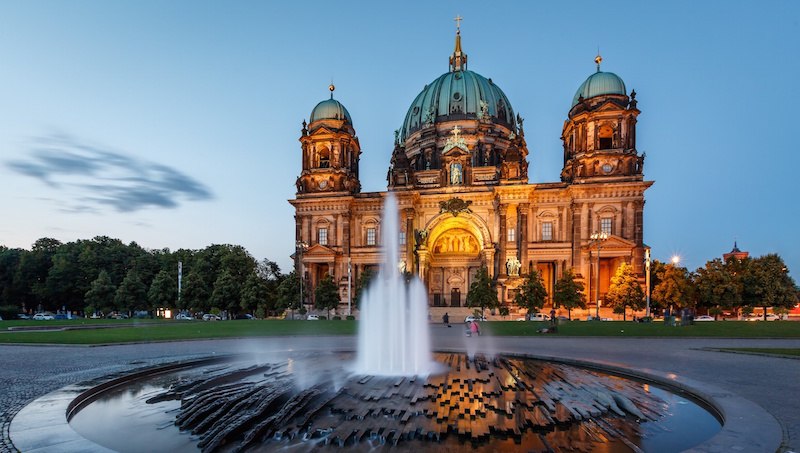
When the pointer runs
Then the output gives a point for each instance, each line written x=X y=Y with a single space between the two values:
x=43 y=424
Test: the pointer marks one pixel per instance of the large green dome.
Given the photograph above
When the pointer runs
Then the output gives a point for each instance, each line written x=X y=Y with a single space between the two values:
x=598 y=84
x=330 y=109
x=456 y=95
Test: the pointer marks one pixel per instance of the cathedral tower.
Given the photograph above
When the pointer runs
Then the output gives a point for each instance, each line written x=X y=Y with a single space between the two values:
x=600 y=133
x=330 y=151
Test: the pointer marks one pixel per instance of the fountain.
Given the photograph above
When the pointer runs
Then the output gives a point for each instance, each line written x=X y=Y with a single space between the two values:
x=393 y=391
x=393 y=333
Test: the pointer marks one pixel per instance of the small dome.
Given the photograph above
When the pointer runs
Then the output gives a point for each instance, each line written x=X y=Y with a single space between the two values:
x=330 y=109
x=457 y=93
x=598 y=84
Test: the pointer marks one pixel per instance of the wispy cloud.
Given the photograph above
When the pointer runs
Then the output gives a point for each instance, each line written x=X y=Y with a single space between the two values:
x=99 y=178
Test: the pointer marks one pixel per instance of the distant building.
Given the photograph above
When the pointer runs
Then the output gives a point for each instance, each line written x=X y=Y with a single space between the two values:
x=459 y=170
x=735 y=253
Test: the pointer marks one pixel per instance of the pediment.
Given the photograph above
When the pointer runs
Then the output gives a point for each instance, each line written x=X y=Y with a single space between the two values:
x=456 y=151
x=607 y=106
x=612 y=243
x=317 y=251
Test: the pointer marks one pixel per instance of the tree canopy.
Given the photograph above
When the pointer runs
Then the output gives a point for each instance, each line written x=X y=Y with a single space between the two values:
x=625 y=290
x=326 y=295
x=482 y=292
x=568 y=293
x=532 y=294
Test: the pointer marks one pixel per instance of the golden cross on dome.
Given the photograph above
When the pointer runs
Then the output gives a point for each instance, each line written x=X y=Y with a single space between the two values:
x=456 y=132
x=458 y=20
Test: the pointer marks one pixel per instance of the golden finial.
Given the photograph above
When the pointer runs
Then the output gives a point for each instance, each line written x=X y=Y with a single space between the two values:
x=331 y=87
x=598 y=59
x=458 y=60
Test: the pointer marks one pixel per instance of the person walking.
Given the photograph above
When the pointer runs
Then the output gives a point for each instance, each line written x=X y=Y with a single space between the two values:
x=446 y=319
x=474 y=328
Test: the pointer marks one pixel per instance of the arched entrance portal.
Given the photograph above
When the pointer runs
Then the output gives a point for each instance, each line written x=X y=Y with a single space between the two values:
x=455 y=250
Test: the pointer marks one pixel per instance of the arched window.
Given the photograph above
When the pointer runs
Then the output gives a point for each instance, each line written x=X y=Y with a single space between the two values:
x=605 y=137
x=324 y=158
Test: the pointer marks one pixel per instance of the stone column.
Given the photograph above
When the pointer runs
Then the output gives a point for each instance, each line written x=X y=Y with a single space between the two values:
x=522 y=216
x=409 y=247
x=424 y=260
x=503 y=239
x=346 y=234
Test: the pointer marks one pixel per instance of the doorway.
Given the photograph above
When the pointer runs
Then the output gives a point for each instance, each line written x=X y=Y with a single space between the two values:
x=455 y=297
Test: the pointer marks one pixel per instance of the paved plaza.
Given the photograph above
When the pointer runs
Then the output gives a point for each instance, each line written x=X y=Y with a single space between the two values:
x=758 y=393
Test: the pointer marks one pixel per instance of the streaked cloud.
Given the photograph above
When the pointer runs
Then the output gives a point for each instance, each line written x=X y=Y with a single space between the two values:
x=97 y=178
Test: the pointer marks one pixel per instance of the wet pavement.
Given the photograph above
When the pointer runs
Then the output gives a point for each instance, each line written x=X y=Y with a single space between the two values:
x=757 y=393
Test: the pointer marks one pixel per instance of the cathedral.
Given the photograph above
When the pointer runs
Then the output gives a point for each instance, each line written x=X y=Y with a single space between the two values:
x=459 y=171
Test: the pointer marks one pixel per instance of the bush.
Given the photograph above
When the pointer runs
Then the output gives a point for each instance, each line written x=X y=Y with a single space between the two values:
x=351 y=318
x=336 y=318
x=9 y=311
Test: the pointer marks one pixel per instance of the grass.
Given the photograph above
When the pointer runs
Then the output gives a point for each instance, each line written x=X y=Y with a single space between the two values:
x=167 y=330
x=132 y=330
x=726 y=329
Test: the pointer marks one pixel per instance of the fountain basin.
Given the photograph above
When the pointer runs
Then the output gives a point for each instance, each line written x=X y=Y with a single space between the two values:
x=481 y=404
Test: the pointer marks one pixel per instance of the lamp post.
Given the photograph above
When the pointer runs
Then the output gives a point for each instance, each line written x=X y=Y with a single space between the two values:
x=598 y=238
x=349 y=279
x=300 y=246
x=647 y=280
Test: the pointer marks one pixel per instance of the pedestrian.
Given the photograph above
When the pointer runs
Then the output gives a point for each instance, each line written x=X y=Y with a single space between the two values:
x=553 y=315
x=446 y=319
x=474 y=328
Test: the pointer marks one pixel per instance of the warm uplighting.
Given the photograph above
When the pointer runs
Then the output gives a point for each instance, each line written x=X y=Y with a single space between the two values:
x=676 y=259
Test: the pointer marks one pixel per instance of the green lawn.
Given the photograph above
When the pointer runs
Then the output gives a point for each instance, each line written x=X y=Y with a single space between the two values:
x=721 y=329
x=165 y=330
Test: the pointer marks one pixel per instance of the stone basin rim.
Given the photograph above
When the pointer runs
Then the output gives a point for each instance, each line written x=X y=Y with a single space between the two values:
x=729 y=409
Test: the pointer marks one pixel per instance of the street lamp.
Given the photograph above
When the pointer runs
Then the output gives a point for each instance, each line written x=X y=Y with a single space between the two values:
x=647 y=280
x=349 y=284
x=301 y=247
x=598 y=238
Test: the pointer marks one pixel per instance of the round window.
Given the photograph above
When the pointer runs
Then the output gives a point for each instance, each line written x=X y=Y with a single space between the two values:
x=415 y=111
x=607 y=168
x=456 y=95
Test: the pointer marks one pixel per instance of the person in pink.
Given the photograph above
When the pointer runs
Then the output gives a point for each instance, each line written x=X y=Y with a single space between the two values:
x=474 y=328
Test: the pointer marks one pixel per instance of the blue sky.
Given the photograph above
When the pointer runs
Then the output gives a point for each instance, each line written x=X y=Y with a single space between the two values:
x=176 y=124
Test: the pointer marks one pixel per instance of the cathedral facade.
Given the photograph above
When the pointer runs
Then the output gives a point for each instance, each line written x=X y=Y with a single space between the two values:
x=459 y=173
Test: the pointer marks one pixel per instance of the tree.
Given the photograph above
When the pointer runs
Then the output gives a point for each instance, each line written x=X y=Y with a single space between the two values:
x=326 y=296
x=131 y=294
x=717 y=286
x=625 y=290
x=674 y=287
x=163 y=291
x=568 y=293
x=194 y=293
x=289 y=296
x=532 y=294
x=255 y=294
x=482 y=292
x=767 y=284
x=100 y=296
x=227 y=293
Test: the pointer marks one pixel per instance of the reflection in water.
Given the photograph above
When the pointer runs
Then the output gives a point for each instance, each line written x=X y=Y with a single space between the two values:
x=503 y=404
